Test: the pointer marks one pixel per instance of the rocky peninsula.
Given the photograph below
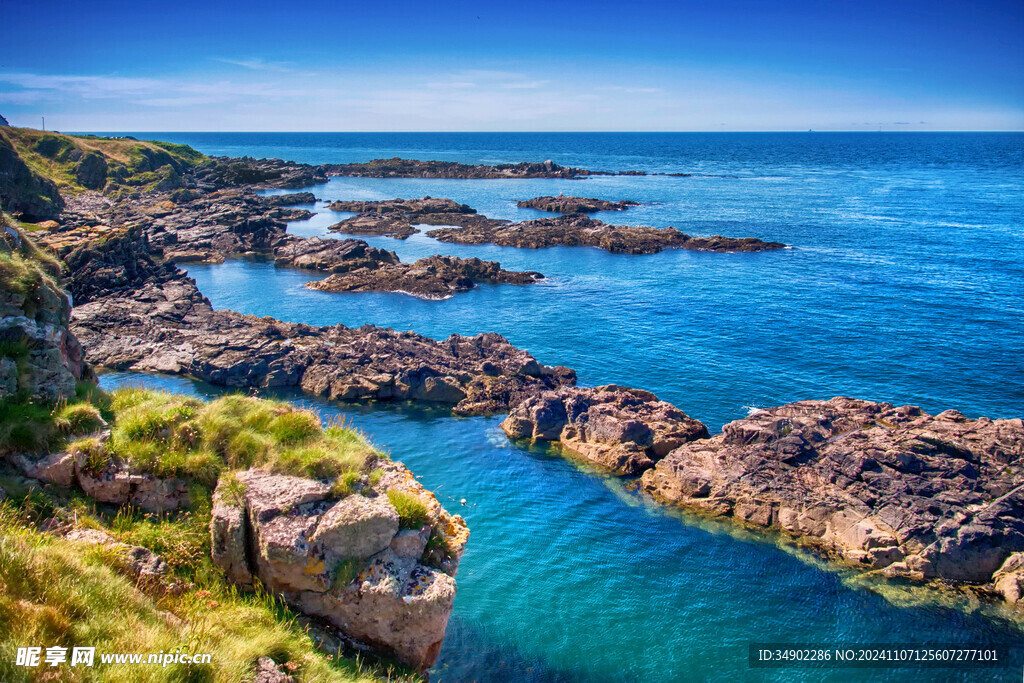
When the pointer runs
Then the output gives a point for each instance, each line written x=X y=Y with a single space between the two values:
x=571 y=205
x=582 y=231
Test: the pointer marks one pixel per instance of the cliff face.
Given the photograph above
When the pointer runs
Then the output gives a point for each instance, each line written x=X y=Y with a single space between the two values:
x=40 y=357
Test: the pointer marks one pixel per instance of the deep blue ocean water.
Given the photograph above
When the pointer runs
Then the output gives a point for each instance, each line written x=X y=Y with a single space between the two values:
x=905 y=283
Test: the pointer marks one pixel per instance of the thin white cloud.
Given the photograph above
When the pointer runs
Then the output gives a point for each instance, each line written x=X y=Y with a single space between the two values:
x=257 y=64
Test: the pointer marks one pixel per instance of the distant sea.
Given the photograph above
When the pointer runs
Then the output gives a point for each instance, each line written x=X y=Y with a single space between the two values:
x=905 y=283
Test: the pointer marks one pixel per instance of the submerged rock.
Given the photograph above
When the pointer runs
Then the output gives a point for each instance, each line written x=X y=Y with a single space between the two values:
x=620 y=429
x=884 y=487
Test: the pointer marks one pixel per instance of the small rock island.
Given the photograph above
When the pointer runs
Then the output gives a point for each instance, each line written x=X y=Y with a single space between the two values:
x=570 y=205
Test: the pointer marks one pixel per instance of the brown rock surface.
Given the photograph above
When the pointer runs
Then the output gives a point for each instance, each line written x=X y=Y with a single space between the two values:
x=922 y=496
x=620 y=429
x=135 y=314
x=569 y=205
x=433 y=277
x=395 y=217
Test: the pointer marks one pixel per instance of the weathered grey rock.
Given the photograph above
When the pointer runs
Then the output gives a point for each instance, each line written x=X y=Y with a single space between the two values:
x=397 y=605
x=288 y=533
x=355 y=528
x=622 y=430
x=56 y=468
x=267 y=671
x=228 y=538
x=884 y=487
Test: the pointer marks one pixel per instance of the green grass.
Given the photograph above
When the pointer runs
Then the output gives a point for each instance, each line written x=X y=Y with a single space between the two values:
x=129 y=162
x=171 y=435
x=56 y=593
x=412 y=513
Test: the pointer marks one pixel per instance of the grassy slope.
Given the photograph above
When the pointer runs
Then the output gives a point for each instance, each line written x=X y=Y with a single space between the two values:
x=144 y=162
x=53 y=592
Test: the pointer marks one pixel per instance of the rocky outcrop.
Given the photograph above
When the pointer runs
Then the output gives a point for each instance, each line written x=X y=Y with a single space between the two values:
x=113 y=482
x=433 y=277
x=348 y=561
x=40 y=357
x=23 y=192
x=227 y=172
x=332 y=255
x=619 y=429
x=411 y=168
x=137 y=314
x=581 y=231
x=395 y=217
x=886 y=488
x=570 y=205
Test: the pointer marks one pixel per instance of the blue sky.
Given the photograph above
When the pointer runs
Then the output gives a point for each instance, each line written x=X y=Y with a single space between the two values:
x=500 y=65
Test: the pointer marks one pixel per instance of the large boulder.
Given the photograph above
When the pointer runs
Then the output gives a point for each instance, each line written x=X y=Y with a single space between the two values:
x=620 y=429
x=343 y=560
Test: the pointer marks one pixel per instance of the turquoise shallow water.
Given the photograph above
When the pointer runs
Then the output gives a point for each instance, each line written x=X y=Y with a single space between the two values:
x=904 y=284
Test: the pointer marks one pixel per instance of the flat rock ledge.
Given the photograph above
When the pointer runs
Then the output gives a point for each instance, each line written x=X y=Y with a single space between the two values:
x=581 y=231
x=570 y=205
x=619 y=429
x=347 y=561
x=886 y=488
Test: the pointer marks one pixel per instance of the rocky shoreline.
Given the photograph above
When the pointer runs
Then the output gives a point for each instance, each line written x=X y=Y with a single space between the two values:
x=133 y=313
x=887 y=489
x=881 y=488
x=570 y=205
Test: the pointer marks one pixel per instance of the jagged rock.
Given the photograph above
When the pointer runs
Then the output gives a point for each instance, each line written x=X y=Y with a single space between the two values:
x=620 y=429
x=332 y=255
x=581 y=231
x=394 y=217
x=1008 y=581
x=23 y=192
x=570 y=205
x=893 y=488
x=56 y=468
x=44 y=359
x=224 y=172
